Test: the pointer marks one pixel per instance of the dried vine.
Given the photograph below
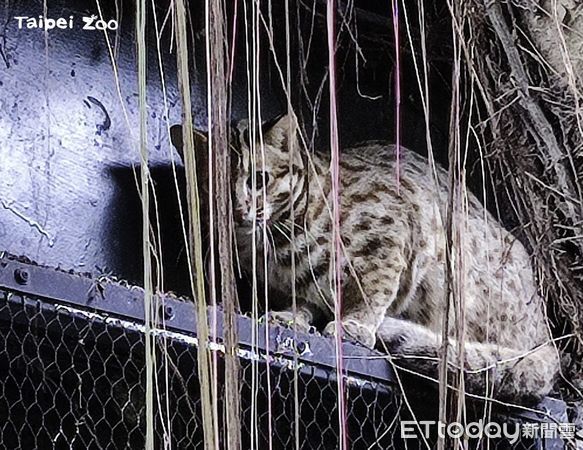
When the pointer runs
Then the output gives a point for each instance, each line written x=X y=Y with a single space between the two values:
x=532 y=137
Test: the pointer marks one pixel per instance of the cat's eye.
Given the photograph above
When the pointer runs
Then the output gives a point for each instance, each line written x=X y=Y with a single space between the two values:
x=261 y=179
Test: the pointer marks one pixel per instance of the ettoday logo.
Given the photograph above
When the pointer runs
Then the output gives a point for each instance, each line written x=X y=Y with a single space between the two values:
x=411 y=429
x=479 y=430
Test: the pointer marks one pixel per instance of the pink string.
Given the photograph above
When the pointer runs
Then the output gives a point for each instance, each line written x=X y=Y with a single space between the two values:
x=335 y=175
x=233 y=41
x=397 y=88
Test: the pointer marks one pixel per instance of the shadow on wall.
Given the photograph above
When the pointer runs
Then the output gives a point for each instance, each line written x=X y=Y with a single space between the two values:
x=122 y=229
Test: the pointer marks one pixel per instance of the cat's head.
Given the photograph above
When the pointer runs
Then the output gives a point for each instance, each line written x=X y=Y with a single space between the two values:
x=262 y=180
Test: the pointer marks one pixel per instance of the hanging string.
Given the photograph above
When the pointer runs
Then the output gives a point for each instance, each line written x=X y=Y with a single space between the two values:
x=336 y=253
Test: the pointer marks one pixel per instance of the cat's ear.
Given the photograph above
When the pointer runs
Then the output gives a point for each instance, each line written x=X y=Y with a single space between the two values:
x=177 y=139
x=279 y=131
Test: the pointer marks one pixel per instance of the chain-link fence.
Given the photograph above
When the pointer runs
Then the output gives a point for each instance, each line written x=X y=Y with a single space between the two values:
x=72 y=375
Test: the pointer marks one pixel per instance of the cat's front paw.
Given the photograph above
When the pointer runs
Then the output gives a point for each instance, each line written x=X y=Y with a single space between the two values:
x=354 y=330
x=288 y=319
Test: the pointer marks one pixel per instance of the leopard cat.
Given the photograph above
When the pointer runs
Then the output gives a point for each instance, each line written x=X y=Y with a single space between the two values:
x=393 y=262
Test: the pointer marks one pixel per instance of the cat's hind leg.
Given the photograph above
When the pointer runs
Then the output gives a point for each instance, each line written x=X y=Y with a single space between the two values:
x=490 y=370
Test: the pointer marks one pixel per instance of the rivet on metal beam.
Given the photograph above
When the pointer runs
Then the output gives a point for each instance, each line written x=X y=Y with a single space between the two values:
x=21 y=276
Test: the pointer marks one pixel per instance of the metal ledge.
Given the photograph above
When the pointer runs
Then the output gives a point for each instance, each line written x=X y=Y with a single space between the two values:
x=108 y=297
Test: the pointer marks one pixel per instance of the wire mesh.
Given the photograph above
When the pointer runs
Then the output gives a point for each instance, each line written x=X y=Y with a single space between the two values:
x=71 y=378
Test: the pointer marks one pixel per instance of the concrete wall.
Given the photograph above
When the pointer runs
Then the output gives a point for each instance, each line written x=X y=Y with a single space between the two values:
x=67 y=130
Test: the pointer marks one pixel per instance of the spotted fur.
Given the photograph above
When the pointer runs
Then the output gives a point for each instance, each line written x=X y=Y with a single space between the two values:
x=393 y=265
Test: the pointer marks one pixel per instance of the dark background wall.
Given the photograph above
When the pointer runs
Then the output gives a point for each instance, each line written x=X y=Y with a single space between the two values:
x=68 y=193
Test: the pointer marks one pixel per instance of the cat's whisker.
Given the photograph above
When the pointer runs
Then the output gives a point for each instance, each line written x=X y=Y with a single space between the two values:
x=278 y=227
x=282 y=225
x=271 y=241
x=302 y=228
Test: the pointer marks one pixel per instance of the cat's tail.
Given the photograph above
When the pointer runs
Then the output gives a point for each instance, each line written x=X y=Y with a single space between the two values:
x=490 y=371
